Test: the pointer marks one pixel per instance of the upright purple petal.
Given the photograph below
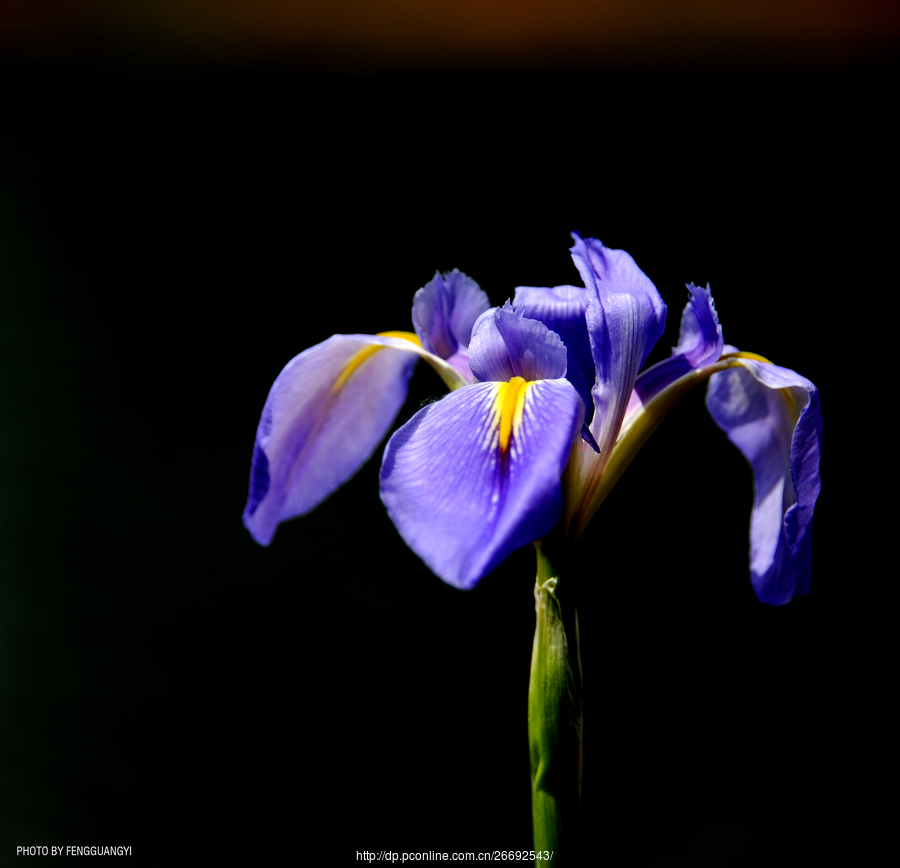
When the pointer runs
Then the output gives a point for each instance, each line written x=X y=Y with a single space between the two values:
x=506 y=345
x=700 y=343
x=326 y=413
x=562 y=310
x=625 y=318
x=700 y=338
x=460 y=499
x=774 y=417
x=444 y=312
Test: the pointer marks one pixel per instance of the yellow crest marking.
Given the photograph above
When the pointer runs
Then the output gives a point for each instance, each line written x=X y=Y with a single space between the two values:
x=368 y=352
x=509 y=404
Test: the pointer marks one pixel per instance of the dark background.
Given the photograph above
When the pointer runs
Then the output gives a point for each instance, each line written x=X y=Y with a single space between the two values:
x=173 y=232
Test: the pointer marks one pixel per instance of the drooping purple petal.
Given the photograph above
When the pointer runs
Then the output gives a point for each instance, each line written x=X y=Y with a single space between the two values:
x=700 y=343
x=443 y=313
x=461 y=501
x=774 y=417
x=625 y=318
x=506 y=345
x=562 y=309
x=326 y=413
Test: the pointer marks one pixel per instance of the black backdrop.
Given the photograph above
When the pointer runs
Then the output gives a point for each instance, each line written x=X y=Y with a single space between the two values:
x=171 y=238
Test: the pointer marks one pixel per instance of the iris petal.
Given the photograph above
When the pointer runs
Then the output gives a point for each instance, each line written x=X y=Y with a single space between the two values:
x=700 y=338
x=506 y=345
x=444 y=311
x=460 y=500
x=700 y=343
x=625 y=318
x=326 y=413
x=561 y=309
x=773 y=415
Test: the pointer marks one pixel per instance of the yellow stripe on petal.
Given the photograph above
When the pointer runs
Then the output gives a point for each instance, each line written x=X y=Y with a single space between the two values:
x=412 y=337
x=793 y=407
x=740 y=355
x=509 y=405
x=368 y=352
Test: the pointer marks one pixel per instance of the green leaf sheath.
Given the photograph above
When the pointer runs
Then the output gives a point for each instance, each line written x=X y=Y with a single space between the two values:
x=554 y=719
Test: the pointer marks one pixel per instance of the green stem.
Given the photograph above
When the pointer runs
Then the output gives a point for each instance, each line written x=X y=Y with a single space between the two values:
x=554 y=719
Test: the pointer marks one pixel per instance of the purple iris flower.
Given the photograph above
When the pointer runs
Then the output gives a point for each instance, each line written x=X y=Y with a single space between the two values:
x=546 y=411
x=473 y=477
